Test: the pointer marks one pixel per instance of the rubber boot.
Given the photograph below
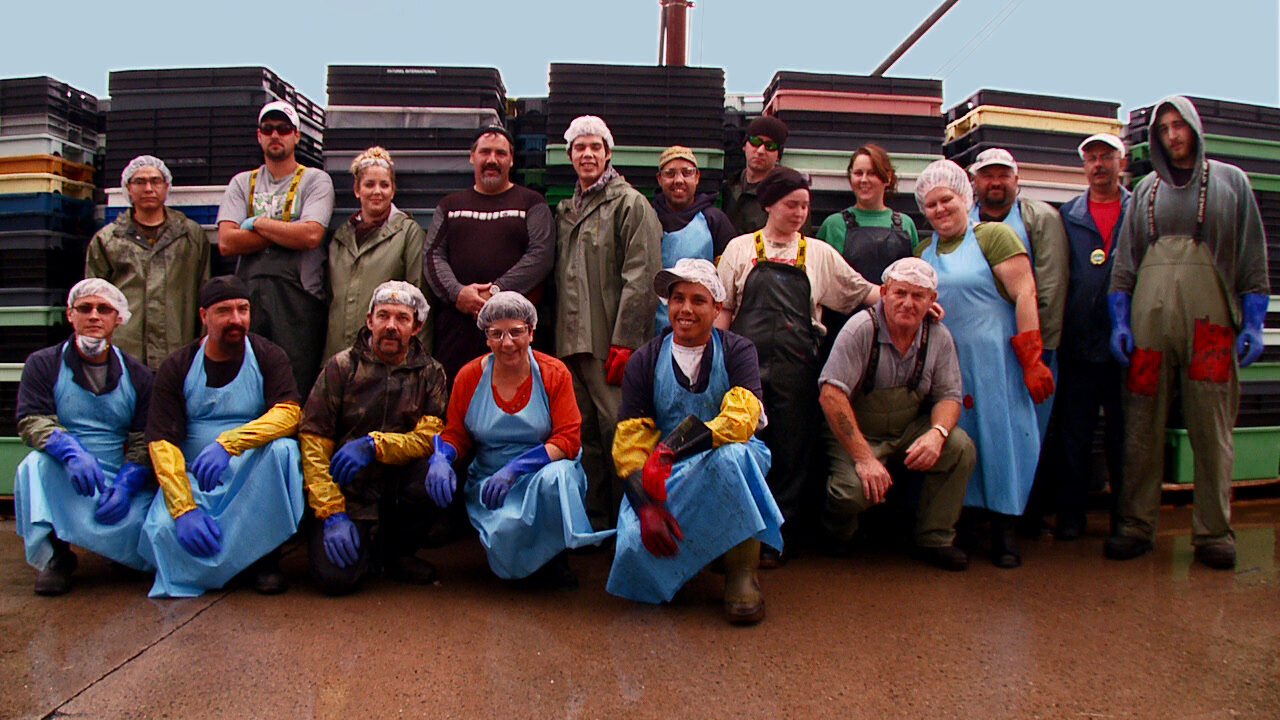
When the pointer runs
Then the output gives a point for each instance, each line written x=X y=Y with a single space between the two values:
x=1004 y=549
x=55 y=578
x=743 y=602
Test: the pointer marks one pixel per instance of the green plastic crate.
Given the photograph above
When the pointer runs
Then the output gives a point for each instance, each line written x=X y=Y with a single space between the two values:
x=21 y=315
x=11 y=372
x=1261 y=371
x=640 y=156
x=1257 y=455
x=12 y=450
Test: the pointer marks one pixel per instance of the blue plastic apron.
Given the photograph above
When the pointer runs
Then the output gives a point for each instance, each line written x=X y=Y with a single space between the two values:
x=691 y=241
x=44 y=500
x=719 y=497
x=1014 y=220
x=1001 y=420
x=543 y=513
x=257 y=506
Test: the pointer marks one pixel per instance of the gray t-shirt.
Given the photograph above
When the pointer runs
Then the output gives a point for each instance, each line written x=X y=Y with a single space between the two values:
x=313 y=202
x=940 y=379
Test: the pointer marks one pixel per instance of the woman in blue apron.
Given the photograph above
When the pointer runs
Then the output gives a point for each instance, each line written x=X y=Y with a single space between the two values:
x=525 y=485
x=986 y=285
x=259 y=503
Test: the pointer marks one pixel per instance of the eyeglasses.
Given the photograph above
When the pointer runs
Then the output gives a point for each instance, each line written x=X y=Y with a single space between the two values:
x=757 y=141
x=143 y=182
x=280 y=129
x=671 y=173
x=514 y=333
x=1100 y=157
x=86 y=308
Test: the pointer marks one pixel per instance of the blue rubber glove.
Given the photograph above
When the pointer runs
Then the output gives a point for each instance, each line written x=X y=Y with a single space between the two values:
x=351 y=458
x=1253 y=309
x=86 y=473
x=198 y=533
x=113 y=504
x=247 y=223
x=341 y=540
x=209 y=466
x=1121 y=333
x=496 y=487
x=441 y=480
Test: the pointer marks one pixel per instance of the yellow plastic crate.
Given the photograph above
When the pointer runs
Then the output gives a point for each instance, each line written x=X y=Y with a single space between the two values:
x=51 y=164
x=45 y=183
x=1032 y=120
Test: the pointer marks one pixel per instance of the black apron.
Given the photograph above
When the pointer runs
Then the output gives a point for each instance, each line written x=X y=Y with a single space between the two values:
x=868 y=250
x=774 y=314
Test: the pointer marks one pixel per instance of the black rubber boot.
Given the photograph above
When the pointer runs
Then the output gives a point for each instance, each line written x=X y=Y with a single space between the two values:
x=1004 y=548
x=55 y=578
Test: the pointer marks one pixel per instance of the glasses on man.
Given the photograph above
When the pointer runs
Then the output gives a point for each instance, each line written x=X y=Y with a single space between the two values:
x=143 y=182
x=515 y=333
x=86 y=308
x=1100 y=156
x=280 y=129
x=757 y=141
x=687 y=173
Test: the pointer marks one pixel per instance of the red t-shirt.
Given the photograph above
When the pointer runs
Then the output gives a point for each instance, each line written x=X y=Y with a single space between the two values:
x=1105 y=216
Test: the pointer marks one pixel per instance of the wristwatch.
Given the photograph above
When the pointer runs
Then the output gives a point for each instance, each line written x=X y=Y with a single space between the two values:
x=494 y=289
x=945 y=432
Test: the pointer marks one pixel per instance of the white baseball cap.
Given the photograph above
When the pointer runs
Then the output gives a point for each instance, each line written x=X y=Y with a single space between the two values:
x=993 y=156
x=694 y=270
x=279 y=106
x=1105 y=138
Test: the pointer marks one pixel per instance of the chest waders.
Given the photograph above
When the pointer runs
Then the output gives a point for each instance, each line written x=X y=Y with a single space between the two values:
x=774 y=314
x=1184 y=347
x=282 y=310
x=868 y=250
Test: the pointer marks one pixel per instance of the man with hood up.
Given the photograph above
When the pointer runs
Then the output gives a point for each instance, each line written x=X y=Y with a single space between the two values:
x=1188 y=295
x=691 y=226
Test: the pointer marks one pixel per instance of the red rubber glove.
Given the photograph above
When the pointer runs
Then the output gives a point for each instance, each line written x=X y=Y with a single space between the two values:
x=659 y=530
x=1029 y=347
x=616 y=364
x=657 y=469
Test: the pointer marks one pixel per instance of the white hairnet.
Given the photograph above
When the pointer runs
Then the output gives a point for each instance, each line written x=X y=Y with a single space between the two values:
x=507 y=305
x=399 y=292
x=944 y=173
x=588 y=125
x=104 y=290
x=694 y=270
x=137 y=164
x=912 y=270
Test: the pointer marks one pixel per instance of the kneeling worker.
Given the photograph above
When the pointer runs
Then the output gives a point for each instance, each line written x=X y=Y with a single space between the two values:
x=381 y=403
x=886 y=362
x=685 y=444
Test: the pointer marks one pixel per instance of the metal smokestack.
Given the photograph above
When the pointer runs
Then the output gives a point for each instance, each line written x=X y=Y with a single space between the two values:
x=673 y=33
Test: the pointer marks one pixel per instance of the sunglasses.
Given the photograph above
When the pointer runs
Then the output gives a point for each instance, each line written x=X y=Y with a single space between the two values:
x=514 y=333
x=757 y=141
x=280 y=129
x=86 y=308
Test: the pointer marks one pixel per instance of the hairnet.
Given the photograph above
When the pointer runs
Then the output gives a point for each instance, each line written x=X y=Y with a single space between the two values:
x=137 y=164
x=694 y=270
x=507 y=305
x=588 y=125
x=912 y=270
x=399 y=292
x=104 y=290
x=944 y=173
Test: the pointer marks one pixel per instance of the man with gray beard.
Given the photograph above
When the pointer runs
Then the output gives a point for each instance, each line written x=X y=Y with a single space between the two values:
x=493 y=236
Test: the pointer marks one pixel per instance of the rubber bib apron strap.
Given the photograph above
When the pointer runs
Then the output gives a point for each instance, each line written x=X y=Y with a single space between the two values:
x=774 y=314
x=691 y=241
x=257 y=506
x=998 y=414
x=543 y=513
x=44 y=501
x=720 y=497
x=1184 y=346
x=868 y=250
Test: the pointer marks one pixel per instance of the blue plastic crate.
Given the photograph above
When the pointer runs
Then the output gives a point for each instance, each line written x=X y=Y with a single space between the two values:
x=531 y=142
x=44 y=203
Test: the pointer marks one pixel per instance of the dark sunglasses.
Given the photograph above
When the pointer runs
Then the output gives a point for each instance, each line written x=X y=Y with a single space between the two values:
x=280 y=129
x=757 y=141
x=86 y=308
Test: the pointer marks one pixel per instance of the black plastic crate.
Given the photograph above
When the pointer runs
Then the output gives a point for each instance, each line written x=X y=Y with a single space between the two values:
x=405 y=97
x=1030 y=101
x=848 y=142
x=32 y=297
x=33 y=95
x=869 y=123
x=394 y=139
x=406 y=181
x=41 y=259
x=1219 y=110
x=999 y=136
x=794 y=80
x=346 y=76
x=123 y=81
x=8 y=406
x=47 y=221
x=18 y=342
x=1021 y=153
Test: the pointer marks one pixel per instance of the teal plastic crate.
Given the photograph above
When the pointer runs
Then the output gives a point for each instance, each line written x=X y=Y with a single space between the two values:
x=1257 y=455
x=12 y=451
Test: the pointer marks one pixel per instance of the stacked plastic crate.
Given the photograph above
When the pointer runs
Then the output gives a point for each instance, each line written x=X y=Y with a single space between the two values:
x=1041 y=131
x=425 y=116
x=648 y=109
x=830 y=116
x=1247 y=136
x=49 y=138
x=201 y=122
x=528 y=123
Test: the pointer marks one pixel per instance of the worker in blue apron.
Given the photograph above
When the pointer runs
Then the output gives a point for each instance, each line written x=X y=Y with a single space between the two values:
x=85 y=483
x=709 y=497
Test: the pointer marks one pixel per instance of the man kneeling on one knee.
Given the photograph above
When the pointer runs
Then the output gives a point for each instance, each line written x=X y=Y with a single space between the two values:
x=891 y=392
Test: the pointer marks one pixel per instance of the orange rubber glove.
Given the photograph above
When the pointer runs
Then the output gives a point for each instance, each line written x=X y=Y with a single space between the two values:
x=615 y=364
x=1028 y=346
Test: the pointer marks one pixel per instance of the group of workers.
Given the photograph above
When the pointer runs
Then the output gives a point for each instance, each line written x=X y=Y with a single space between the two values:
x=720 y=388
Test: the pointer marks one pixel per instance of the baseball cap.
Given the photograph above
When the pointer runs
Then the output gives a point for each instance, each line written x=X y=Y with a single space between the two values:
x=676 y=152
x=694 y=270
x=1105 y=138
x=993 y=156
x=282 y=107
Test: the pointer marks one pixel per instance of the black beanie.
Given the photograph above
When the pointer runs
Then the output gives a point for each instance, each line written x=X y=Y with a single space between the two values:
x=769 y=126
x=779 y=183
x=223 y=287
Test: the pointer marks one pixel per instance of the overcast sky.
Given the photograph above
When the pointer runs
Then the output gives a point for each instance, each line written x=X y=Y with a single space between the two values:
x=1128 y=51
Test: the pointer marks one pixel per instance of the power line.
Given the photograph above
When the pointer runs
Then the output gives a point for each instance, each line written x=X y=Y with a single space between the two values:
x=977 y=39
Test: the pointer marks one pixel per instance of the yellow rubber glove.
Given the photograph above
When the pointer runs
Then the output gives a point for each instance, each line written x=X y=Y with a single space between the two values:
x=323 y=494
x=402 y=448
x=280 y=420
x=738 y=418
x=171 y=474
x=633 y=440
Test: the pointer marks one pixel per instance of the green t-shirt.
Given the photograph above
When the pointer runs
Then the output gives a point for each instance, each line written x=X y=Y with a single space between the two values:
x=833 y=228
x=998 y=242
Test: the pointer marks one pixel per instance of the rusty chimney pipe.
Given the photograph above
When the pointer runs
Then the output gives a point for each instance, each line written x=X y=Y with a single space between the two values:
x=674 y=32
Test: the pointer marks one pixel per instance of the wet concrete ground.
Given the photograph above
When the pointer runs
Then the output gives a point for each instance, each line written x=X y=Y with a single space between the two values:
x=1069 y=635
